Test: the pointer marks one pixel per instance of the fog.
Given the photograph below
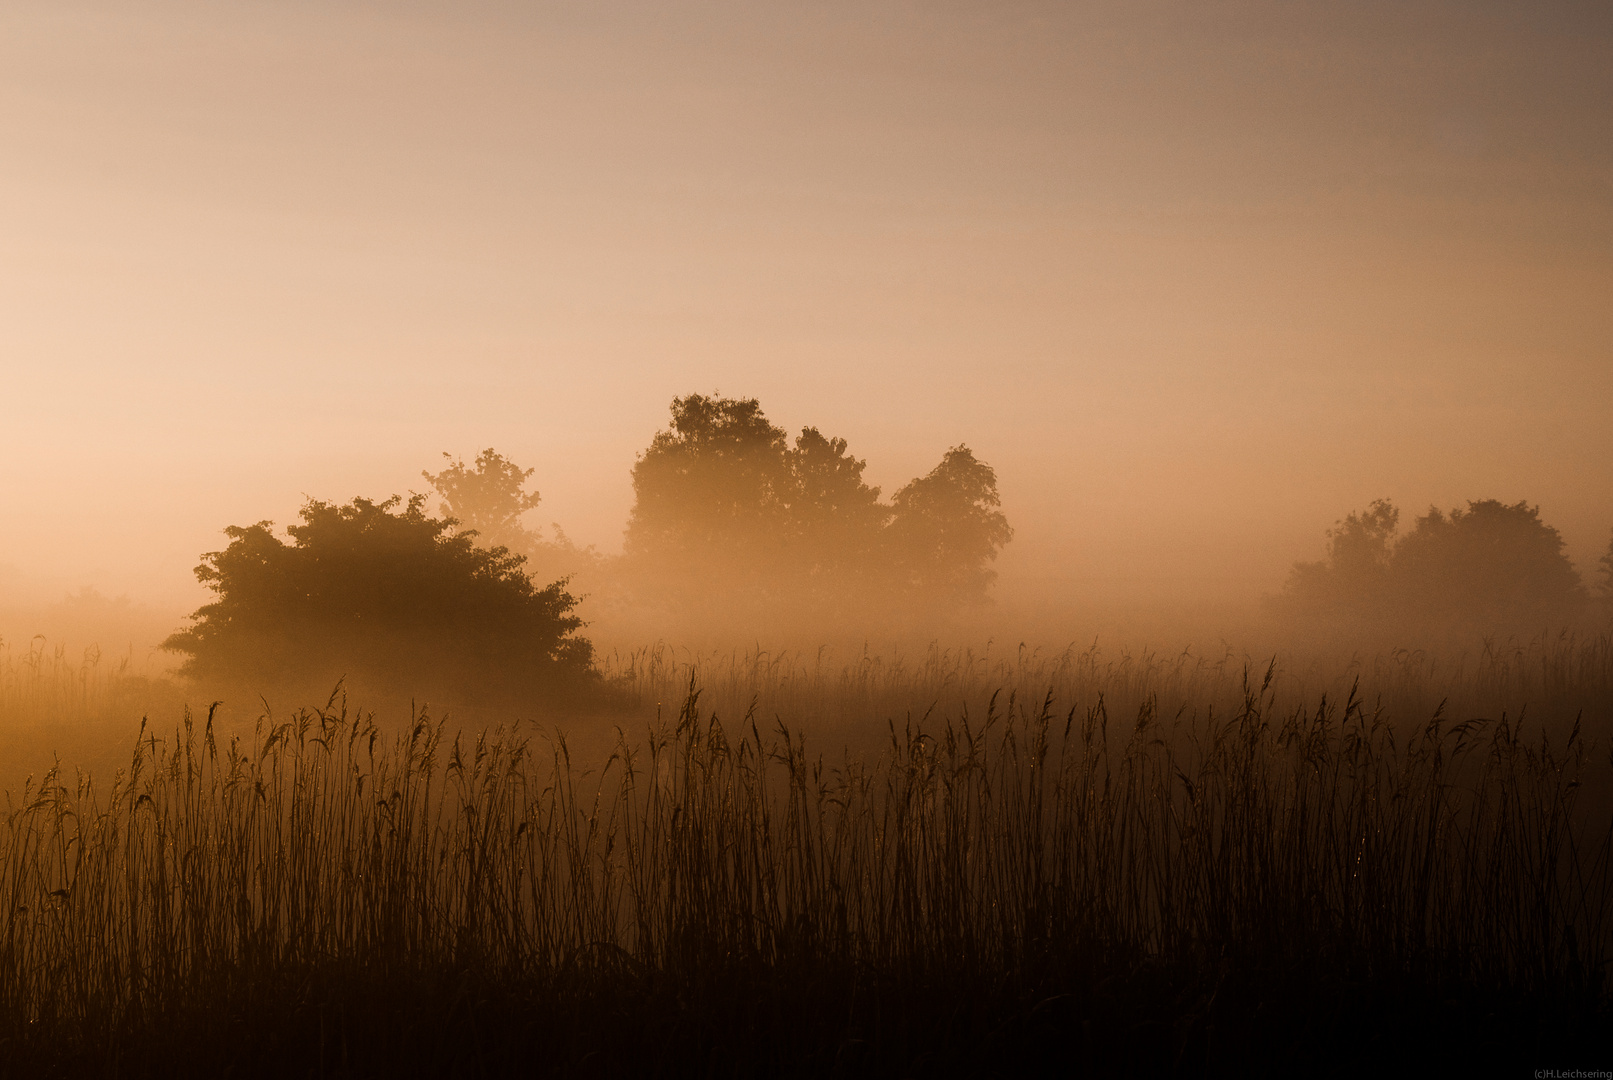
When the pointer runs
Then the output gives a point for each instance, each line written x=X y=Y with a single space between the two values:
x=1195 y=282
x=963 y=538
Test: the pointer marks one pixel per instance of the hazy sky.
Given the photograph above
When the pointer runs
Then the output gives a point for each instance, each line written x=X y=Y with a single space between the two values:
x=1196 y=278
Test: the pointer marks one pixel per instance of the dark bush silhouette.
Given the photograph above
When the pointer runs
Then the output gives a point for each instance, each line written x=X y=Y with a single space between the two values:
x=1490 y=566
x=386 y=596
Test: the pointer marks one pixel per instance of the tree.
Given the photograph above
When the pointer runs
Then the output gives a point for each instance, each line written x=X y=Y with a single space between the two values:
x=388 y=596
x=1490 y=565
x=715 y=476
x=946 y=528
x=1492 y=562
x=489 y=499
x=836 y=520
x=1355 y=572
x=711 y=493
x=728 y=513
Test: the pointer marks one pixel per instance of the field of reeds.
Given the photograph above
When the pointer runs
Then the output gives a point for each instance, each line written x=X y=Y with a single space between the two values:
x=967 y=864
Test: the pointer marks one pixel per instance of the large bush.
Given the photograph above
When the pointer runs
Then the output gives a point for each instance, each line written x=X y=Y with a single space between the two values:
x=387 y=596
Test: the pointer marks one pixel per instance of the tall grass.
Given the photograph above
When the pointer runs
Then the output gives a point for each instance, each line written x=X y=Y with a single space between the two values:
x=1246 y=883
x=1555 y=677
x=40 y=681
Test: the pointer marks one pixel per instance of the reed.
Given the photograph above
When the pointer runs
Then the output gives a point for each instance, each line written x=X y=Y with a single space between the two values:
x=1220 y=889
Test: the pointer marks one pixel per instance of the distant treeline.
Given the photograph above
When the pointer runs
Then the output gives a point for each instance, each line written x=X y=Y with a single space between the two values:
x=735 y=529
x=1490 y=567
x=731 y=521
x=729 y=514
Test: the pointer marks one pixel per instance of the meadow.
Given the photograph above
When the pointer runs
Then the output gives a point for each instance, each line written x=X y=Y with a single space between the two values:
x=992 y=862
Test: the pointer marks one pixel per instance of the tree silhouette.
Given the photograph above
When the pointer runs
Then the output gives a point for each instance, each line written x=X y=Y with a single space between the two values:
x=1355 y=575
x=488 y=499
x=711 y=495
x=836 y=520
x=715 y=476
x=1490 y=562
x=384 y=595
x=946 y=528
x=727 y=512
x=1490 y=565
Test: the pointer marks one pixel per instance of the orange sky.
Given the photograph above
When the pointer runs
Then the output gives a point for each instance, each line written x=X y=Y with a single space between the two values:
x=1196 y=278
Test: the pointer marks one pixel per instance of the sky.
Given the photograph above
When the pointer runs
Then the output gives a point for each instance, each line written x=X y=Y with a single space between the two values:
x=1197 y=279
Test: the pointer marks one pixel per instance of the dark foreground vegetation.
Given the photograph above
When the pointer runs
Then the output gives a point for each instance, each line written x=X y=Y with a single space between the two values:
x=1020 y=889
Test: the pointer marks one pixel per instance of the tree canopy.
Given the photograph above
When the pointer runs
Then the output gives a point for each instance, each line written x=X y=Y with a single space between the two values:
x=836 y=521
x=488 y=499
x=725 y=503
x=1354 y=578
x=1489 y=565
x=731 y=519
x=947 y=527
x=712 y=488
x=384 y=593
x=1491 y=561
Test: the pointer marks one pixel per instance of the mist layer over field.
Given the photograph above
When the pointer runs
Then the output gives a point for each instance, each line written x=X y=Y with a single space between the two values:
x=1197 y=282
x=866 y=539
